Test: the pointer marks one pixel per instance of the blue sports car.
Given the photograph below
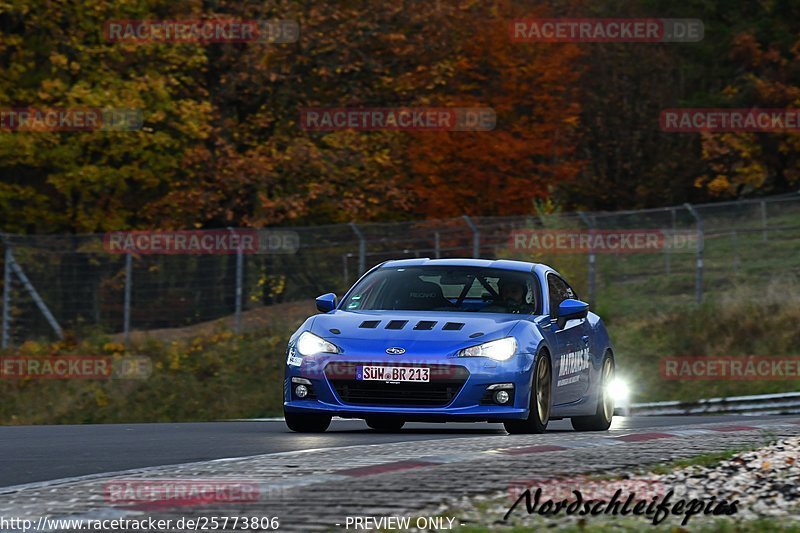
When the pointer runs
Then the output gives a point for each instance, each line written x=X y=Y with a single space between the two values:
x=436 y=340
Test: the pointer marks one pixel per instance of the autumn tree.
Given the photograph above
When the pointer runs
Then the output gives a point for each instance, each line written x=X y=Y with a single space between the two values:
x=744 y=163
x=531 y=87
x=56 y=56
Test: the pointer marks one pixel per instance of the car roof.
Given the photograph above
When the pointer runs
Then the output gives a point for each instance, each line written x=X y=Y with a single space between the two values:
x=505 y=264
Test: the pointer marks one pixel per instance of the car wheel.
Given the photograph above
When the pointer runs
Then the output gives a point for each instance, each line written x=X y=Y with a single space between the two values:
x=601 y=419
x=539 y=408
x=385 y=424
x=307 y=423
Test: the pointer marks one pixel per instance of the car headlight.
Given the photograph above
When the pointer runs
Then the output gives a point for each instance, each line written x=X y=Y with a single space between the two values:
x=619 y=390
x=499 y=350
x=310 y=344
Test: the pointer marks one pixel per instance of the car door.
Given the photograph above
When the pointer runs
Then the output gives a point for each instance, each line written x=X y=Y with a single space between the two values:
x=572 y=365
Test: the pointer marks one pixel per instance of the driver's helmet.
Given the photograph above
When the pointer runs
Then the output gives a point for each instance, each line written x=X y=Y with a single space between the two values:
x=527 y=287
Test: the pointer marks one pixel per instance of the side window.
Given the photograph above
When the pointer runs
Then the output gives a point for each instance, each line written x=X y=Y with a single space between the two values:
x=570 y=291
x=559 y=291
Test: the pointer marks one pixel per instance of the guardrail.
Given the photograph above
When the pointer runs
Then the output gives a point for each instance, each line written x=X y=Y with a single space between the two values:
x=762 y=404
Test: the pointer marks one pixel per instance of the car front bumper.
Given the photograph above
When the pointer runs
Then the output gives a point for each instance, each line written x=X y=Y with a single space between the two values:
x=457 y=390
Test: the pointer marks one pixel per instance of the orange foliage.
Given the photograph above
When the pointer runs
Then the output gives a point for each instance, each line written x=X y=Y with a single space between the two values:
x=531 y=87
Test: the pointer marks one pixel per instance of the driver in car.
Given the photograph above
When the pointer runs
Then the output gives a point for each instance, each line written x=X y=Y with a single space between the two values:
x=513 y=297
x=512 y=292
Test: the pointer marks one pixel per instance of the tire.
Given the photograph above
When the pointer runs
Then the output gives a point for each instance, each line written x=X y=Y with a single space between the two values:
x=601 y=419
x=307 y=423
x=540 y=402
x=386 y=424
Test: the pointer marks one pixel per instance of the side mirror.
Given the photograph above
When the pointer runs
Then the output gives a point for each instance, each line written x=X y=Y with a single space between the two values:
x=571 y=310
x=326 y=302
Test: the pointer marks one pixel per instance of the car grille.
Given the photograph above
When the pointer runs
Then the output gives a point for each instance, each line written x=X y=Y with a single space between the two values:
x=446 y=381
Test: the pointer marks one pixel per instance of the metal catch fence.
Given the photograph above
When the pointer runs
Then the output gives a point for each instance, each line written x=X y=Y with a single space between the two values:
x=58 y=285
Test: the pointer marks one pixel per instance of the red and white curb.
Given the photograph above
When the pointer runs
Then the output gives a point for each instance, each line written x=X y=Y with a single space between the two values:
x=595 y=442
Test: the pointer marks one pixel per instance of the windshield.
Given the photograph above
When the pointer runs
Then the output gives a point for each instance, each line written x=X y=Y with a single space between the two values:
x=460 y=289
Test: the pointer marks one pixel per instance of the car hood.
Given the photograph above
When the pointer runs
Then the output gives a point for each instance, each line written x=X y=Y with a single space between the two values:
x=414 y=331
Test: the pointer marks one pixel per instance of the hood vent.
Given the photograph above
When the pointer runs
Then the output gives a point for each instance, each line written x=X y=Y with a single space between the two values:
x=453 y=326
x=425 y=324
x=370 y=324
x=396 y=324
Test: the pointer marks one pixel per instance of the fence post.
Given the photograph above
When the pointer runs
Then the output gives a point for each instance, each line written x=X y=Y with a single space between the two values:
x=591 y=225
x=35 y=295
x=476 y=237
x=239 y=288
x=237 y=325
x=436 y=244
x=7 y=298
x=362 y=249
x=698 y=284
x=126 y=309
x=735 y=236
x=667 y=249
x=764 y=219
x=344 y=270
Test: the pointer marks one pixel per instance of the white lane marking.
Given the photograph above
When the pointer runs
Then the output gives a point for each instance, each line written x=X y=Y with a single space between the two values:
x=273 y=419
x=455 y=458
x=303 y=481
x=593 y=443
x=690 y=432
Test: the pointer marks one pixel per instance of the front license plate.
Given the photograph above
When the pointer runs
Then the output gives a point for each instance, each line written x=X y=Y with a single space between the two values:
x=393 y=373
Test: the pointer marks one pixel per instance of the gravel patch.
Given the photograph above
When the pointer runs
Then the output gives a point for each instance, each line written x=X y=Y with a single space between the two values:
x=764 y=484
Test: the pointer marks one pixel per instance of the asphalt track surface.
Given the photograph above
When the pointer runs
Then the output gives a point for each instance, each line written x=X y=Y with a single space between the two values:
x=31 y=454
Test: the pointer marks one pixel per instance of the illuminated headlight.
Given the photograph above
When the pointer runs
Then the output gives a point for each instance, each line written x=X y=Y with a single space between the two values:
x=499 y=350
x=310 y=344
x=618 y=390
